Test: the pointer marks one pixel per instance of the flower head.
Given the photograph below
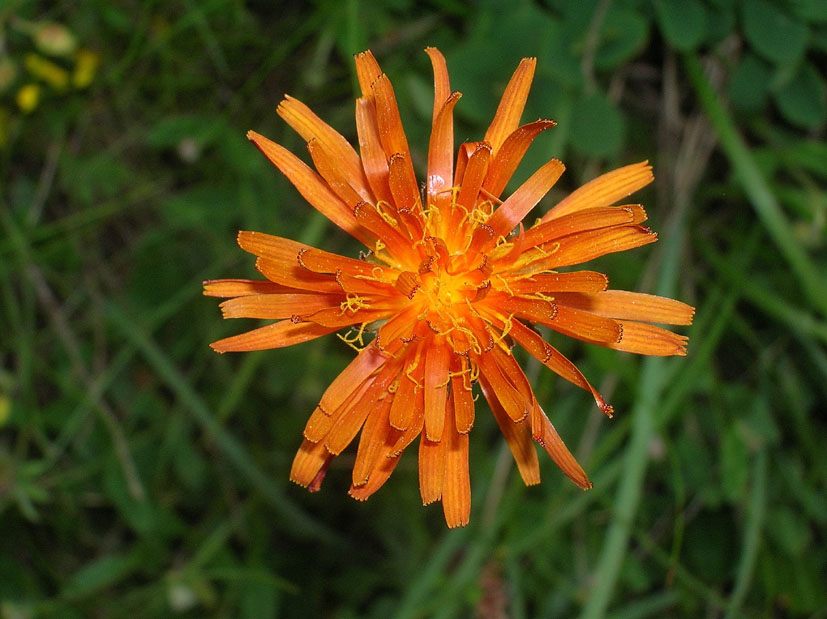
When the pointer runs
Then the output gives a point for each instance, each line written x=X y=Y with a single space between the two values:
x=447 y=287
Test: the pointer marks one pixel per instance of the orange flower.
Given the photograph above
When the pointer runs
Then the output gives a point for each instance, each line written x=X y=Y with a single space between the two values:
x=445 y=290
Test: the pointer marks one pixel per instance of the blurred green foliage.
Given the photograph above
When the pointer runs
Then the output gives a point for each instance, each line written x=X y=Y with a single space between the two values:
x=142 y=475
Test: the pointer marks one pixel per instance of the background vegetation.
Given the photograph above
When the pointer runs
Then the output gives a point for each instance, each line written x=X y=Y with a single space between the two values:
x=143 y=475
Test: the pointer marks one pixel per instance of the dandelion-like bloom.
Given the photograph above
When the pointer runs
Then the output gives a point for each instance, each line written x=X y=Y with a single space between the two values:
x=446 y=289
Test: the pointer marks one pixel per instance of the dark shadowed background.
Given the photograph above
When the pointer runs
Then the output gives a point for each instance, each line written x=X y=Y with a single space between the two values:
x=143 y=475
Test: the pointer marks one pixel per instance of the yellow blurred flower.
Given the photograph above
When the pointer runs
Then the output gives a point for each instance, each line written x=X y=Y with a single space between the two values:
x=5 y=410
x=54 y=39
x=56 y=76
x=28 y=97
x=86 y=66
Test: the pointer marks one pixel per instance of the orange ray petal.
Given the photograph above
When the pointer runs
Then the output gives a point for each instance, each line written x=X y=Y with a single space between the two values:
x=512 y=371
x=440 y=178
x=546 y=435
x=365 y=364
x=517 y=435
x=575 y=281
x=363 y=284
x=399 y=328
x=350 y=422
x=272 y=247
x=511 y=106
x=404 y=189
x=279 y=261
x=511 y=153
x=333 y=174
x=622 y=304
x=405 y=403
x=377 y=438
x=391 y=132
x=511 y=401
x=584 y=246
x=374 y=160
x=378 y=477
x=464 y=153
x=442 y=84
x=646 y=339
x=437 y=360
x=337 y=317
x=277 y=306
x=311 y=187
x=320 y=261
x=604 y=190
x=243 y=287
x=431 y=469
x=545 y=353
x=463 y=396
x=367 y=71
x=311 y=127
x=396 y=243
x=320 y=423
x=516 y=207
x=574 y=323
x=277 y=335
x=456 y=484
x=288 y=254
x=474 y=174
x=414 y=428
x=409 y=393
x=311 y=460
x=291 y=274
x=582 y=220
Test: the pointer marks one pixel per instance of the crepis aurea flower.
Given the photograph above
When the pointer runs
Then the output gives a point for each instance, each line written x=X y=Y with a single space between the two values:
x=451 y=281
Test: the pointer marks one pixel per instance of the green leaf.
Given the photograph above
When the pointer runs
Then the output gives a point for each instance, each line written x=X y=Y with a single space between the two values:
x=598 y=128
x=789 y=530
x=810 y=10
x=622 y=37
x=682 y=22
x=720 y=23
x=170 y=130
x=749 y=83
x=802 y=99
x=773 y=33
x=819 y=40
x=92 y=178
x=481 y=71
x=99 y=574
x=711 y=542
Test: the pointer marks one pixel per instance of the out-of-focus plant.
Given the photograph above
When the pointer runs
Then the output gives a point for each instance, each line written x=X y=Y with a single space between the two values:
x=39 y=61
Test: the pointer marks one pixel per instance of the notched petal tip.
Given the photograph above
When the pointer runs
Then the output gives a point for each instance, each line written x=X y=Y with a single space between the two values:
x=357 y=497
x=458 y=523
x=547 y=122
x=243 y=236
x=606 y=408
x=382 y=77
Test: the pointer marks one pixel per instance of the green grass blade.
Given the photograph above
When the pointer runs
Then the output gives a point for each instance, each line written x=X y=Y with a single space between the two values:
x=757 y=189
x=752 y=534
